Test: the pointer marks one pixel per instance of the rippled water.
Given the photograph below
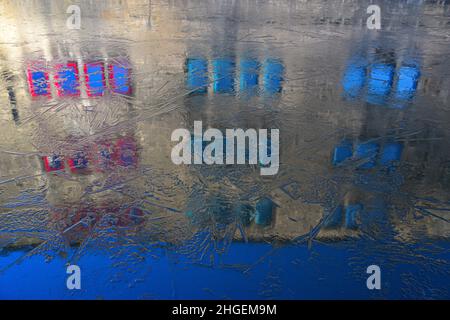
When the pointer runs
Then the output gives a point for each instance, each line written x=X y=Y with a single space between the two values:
x=86 y=175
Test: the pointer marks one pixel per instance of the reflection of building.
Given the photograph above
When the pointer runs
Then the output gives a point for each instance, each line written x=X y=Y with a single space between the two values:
x=382 y=81
x=75 y=224
x=247 y=71
x=79 y=106
x=67 y=78
x=392 y=137
x=226 y=77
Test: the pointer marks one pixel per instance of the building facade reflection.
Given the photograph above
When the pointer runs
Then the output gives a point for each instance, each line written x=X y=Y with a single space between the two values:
x=113 y=103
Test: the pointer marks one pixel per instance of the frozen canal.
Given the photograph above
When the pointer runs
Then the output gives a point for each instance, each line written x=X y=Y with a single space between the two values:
x=87 y=179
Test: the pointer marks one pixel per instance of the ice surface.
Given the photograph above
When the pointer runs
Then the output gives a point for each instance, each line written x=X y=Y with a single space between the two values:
x=86 y=175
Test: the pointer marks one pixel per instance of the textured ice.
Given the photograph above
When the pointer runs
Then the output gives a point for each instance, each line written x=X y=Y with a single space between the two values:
x=86 y=176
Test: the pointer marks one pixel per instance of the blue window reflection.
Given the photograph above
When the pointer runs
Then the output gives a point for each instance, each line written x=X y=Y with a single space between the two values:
x=342 y=152
x=354 y=79
x=352 y=213
x=380 y=83
x=67 y=79
x=249 y=69
x=264 y=212
x=408 y=77
x=392 y=152
x=383 y=82
x=273 y=76
x=367 y=154
x=39 y=83
x=119 y=77
x=95 y=78
x=197 y=75
x=223 y=75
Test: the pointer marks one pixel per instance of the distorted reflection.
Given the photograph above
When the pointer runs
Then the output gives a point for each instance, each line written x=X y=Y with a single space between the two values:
x=86 y=175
